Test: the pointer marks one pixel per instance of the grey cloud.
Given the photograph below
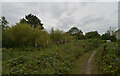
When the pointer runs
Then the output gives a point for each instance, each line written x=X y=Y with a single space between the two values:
x=87 y=16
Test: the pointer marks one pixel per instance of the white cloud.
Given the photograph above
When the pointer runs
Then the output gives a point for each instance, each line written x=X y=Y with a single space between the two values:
x=87 y=16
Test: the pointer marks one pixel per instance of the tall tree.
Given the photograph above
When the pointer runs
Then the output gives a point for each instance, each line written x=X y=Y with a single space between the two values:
x=74 y=30
x=3 y=22
x=33 y=20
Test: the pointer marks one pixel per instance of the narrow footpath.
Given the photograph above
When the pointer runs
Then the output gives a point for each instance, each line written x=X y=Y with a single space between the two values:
x=86 y=64
x=88 y=67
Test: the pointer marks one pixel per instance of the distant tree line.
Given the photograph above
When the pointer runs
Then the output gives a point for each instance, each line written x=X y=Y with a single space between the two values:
x=30 y=32
x=78 y=34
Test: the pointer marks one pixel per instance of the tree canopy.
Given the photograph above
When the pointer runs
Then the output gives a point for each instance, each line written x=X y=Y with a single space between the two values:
x=78 y=34
x=33 y=20
x=3 y=22
x=74 y=30
x=107 y=36
x=92 y=34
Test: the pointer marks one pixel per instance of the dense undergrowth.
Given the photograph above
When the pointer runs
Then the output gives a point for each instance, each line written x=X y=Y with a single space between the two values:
x=52 y=60
x=108 y=58
x=28 y=50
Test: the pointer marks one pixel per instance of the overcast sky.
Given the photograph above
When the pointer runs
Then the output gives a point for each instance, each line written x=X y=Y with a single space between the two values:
x=87 y=16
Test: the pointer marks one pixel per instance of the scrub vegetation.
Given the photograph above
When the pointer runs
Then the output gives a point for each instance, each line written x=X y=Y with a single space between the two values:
x=27 y=48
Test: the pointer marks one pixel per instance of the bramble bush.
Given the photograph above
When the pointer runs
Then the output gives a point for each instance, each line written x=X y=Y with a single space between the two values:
x=107 y=58
x=52 y=60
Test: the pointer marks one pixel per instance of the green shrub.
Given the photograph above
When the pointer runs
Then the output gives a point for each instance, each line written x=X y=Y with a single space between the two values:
x=18 y=35
x=107 y=58
x=59 y=37
x=43 y=39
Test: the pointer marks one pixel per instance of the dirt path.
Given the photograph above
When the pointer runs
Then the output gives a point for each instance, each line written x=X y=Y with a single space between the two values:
x=81 y=63
x=86 y=64
x=88 y=67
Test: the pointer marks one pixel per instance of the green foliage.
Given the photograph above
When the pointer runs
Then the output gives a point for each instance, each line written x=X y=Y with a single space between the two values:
x=7 y=38
x=59 y=37
x=56 y=35
x=118 y=52
x=48 y=63
x=22 y=35
x=107 y=58
x=3 y=22
x=33 y=20
x=74 y=30
x=78 y=34
x=52 y=60
x=32 y=50
x=107 y=36
x=23 y=20
x=18 y=35
x=113 y=38
x=92 y=34
x=43 y=39
x=0 y=36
